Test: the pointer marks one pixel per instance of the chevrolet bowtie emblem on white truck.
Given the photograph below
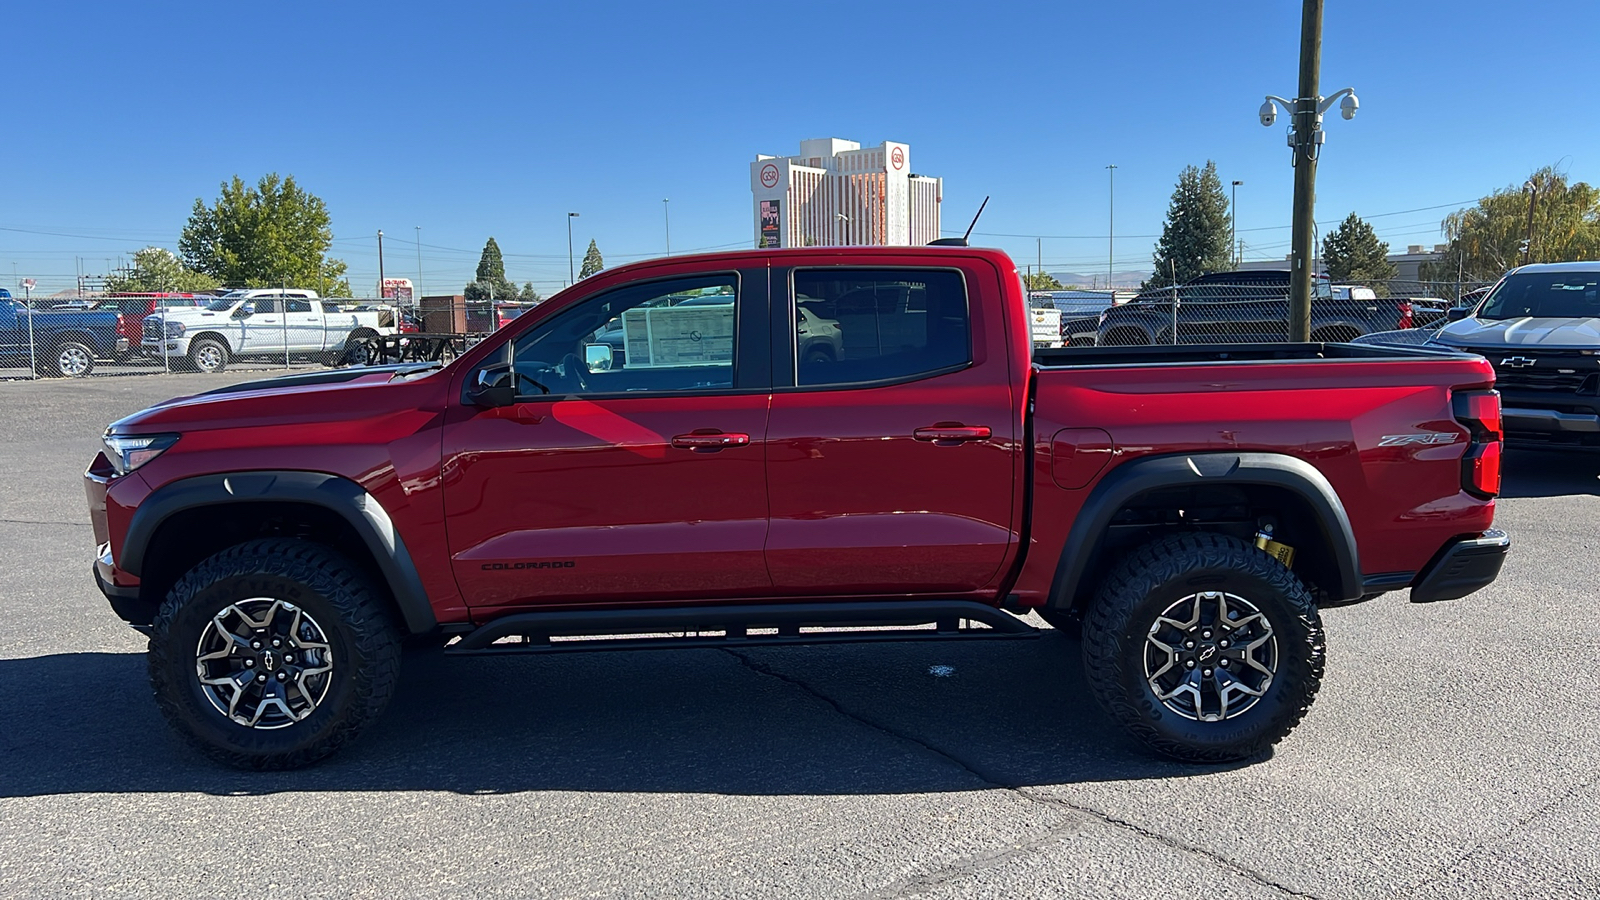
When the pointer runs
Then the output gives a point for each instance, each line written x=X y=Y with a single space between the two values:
x=1401 y=440
x=1517 y=362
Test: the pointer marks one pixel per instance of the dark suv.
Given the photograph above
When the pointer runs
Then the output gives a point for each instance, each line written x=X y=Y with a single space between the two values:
x=1250 y=307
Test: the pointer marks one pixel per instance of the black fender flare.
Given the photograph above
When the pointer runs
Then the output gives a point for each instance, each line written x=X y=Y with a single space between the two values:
x=1138 y=476
x=335 y=493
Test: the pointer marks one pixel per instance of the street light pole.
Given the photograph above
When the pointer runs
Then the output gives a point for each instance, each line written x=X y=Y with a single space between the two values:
x=416 y=296
x=380 y=263
x=667 y=215
x=1233 y=224
x=1111 y=231
x=1533 y=199
x=572 y=277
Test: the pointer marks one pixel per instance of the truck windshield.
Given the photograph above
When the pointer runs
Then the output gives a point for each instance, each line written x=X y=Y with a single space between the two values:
x=1551 y=295
x=222 y=305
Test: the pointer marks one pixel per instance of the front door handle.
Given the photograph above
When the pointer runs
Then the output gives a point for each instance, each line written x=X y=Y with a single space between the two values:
x=945 y=433
x=706 y=441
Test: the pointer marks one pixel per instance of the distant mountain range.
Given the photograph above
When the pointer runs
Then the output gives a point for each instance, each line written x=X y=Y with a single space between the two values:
x=1131 y=279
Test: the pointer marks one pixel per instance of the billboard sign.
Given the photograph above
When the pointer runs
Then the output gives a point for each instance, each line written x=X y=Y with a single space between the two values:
x=771 y=231
x=398 y=290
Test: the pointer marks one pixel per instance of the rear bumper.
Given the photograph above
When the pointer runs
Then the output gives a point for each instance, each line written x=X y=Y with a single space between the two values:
x=1463 y=566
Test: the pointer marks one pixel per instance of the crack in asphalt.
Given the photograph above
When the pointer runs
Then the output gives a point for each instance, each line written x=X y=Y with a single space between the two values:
x=1516 y=826
x=33 y=522
x=965 y=867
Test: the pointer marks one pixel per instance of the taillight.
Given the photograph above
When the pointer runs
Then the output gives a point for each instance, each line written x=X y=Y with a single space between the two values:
x=1404 y=306
x=1480 y=467
x=122 y=327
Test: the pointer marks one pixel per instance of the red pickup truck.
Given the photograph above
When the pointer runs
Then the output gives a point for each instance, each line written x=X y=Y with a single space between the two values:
x=707 y=484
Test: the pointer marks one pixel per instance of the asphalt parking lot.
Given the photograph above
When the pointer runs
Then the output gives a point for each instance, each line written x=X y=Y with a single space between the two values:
x=1451 y=753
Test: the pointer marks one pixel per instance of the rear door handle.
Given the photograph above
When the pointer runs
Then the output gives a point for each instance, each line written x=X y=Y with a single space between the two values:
x=953 y=433
x=709 y=441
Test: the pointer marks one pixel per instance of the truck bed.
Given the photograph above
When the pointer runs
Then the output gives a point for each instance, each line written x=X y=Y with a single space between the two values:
x=1190 y=354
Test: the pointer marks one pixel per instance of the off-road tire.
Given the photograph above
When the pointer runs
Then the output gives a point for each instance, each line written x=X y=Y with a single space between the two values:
x=201 y=353
x=360 y=631
x=1160 y=573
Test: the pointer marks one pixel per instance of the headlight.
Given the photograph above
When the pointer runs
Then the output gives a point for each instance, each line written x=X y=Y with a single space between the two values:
x=130 y=451
x=175 y=329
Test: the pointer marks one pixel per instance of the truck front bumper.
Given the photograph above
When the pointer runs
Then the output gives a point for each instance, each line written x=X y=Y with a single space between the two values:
x=1463 y=566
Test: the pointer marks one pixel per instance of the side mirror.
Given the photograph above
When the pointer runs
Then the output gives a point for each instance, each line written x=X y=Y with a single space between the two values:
x=492 y=386
x=244 y=312
x=1457 y=313
x=597 y=357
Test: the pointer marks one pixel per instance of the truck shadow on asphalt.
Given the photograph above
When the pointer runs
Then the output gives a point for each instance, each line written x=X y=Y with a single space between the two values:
x=851 y=719
x=1544 y=473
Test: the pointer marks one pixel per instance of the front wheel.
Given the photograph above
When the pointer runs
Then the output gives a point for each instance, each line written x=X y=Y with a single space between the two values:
x=1204 y=647
x=208 y=356
x=273 y=654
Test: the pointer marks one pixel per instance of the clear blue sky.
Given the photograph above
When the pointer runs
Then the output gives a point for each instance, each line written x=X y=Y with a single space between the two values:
x=475 y=120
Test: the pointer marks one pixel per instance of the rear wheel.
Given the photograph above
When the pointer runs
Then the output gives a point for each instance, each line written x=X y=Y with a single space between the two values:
x=1204 y=647
x=208 y=355
x=67 y=359
x=273 y=654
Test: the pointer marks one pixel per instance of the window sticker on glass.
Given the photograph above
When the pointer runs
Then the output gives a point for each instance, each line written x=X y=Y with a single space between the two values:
x=688 y=335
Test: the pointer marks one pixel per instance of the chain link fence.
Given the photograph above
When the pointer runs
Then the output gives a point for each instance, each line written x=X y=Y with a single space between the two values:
x=129 y=335
x=1249 y=308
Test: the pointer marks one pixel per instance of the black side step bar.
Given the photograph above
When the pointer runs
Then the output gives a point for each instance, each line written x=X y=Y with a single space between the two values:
x=748 y=625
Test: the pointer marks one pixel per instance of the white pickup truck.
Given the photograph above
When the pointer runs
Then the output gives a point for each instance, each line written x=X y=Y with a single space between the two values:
x=262 y=323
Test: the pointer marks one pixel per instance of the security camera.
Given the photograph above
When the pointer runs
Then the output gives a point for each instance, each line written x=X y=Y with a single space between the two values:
x=1269 y=114
x=1348 y=106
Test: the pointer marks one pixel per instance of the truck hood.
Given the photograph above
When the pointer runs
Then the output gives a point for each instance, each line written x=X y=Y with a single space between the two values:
x=337 y=395
x=1582 y=334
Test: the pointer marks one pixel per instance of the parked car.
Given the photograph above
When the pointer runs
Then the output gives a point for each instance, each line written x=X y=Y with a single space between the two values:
x=1250 y=307
x=264 y=322
x=279 y=539
x=1540 y=329
x=61 y=343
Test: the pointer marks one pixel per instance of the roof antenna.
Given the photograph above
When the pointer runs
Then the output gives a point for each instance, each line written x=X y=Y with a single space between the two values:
x=961 y=241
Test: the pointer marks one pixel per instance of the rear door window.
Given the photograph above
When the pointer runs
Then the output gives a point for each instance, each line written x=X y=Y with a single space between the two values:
x=863 y=326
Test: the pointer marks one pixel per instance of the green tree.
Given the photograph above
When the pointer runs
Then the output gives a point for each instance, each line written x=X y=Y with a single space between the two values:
x=1353 y=253
x=272 y=234
x=158 y=270
x=1194 y=239
x=1488 y=239
x=490 y=282
x=528 y=294
x=592 y=262
x=1041 y=281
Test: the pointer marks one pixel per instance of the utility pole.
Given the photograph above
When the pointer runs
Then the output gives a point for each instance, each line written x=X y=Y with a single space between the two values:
x=666 y=214
x=1533 y=200
x=572 y=277
x=1307 y=140
x=416 y=295
x=1233 y=224
x=1111 y=231
x=1038 y=244
x=380 y=263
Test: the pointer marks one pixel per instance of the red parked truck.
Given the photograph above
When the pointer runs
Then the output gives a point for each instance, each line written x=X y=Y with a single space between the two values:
x=1189 y=508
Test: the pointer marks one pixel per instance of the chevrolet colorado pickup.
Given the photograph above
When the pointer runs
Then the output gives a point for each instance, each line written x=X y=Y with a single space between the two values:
x=1188 y=509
